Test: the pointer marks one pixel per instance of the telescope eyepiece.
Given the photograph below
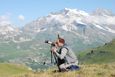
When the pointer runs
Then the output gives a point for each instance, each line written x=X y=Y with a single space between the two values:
x=46 y=41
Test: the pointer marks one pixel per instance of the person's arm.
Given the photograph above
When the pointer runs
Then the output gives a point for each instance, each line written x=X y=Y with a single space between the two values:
x=63 y=53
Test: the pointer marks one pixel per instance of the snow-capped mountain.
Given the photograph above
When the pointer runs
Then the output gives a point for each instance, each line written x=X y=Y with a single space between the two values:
x=61 y=19
x=69 y=18
x=8 y=29
x=7 y=32
x=74 y=25
x=89 y=28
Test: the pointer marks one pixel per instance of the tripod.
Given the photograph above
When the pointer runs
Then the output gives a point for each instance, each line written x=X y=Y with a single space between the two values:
x=53 y=57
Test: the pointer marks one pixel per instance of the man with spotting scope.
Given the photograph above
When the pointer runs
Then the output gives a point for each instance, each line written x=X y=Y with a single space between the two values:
x=66 y=59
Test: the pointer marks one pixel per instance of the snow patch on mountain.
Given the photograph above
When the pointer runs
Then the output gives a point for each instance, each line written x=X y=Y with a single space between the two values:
x=69 y=27
x=98 y=26
x=110 y=30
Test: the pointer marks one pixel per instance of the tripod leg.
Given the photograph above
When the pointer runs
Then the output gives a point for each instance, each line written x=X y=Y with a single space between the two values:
x=51 y=57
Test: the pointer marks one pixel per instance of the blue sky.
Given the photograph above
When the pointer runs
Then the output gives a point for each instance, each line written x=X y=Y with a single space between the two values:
x=20 y=12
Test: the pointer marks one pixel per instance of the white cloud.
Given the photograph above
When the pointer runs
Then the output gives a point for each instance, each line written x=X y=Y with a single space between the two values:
x=21 y=17
x=4 y=19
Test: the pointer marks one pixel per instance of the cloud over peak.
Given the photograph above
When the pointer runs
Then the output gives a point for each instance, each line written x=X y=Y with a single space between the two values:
x=21 y=17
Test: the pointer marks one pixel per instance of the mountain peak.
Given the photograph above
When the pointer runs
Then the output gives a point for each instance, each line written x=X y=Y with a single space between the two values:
x=103 y=12
x=68 y=11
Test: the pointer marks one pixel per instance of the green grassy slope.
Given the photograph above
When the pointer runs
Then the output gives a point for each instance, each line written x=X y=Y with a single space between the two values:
x=11 y=69
x=102 y=54
x=87 y=70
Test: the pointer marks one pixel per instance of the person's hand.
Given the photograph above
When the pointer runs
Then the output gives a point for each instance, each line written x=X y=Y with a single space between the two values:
x=54 y=49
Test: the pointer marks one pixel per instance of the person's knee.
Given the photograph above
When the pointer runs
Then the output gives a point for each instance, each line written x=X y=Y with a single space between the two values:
x=62 y=66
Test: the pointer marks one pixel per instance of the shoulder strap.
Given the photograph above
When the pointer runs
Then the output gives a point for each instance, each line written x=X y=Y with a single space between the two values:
x=65 y=48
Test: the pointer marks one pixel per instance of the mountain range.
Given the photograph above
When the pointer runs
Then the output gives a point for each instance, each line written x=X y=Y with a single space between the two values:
x=81 y=30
